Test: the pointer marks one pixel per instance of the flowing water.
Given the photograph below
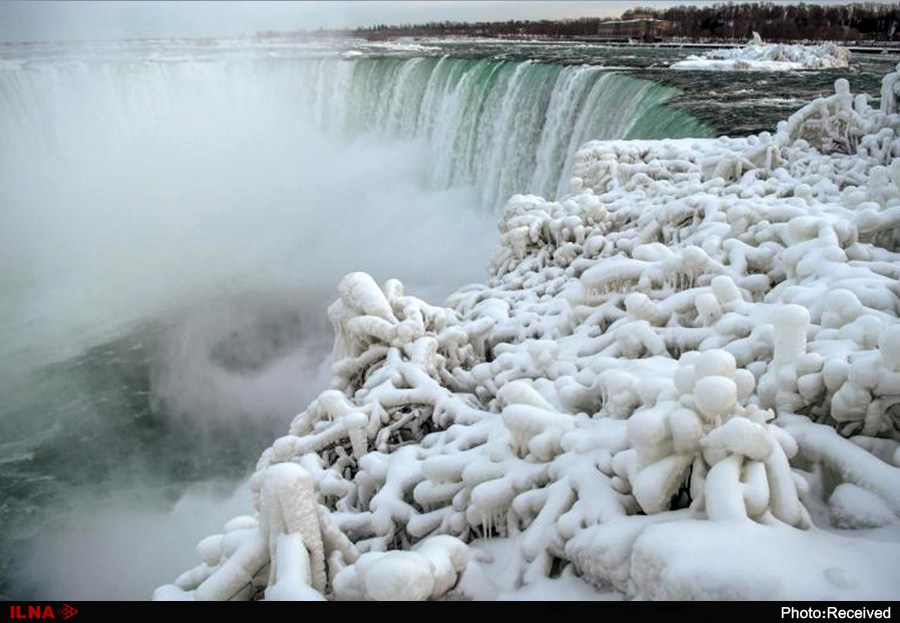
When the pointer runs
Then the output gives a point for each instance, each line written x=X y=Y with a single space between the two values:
x=175 y=217
x=505 y=126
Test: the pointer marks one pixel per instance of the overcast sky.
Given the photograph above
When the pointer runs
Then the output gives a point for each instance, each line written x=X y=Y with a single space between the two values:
x=51 y=20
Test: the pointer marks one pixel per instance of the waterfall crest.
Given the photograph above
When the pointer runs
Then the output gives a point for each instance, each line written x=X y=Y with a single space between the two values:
x=503 y=126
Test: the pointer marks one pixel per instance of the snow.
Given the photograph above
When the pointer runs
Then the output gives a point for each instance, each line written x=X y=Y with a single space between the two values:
x=681 y=381
x=690 y=560
x=495 y=570
x=759 y=56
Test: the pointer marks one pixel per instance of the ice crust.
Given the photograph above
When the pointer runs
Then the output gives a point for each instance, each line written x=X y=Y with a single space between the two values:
x=759 y=56
x=682 y=381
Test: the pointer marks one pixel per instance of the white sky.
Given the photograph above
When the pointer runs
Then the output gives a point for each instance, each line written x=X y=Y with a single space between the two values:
x=88 y=19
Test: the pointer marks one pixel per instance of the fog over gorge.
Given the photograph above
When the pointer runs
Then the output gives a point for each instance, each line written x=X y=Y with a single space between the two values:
x=193 y=216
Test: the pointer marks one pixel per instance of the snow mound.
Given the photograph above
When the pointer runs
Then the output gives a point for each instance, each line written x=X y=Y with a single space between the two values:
x=759 y=56
x=680 y=380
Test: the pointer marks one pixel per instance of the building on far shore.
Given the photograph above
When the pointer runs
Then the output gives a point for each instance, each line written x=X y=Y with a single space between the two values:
x=642 y=28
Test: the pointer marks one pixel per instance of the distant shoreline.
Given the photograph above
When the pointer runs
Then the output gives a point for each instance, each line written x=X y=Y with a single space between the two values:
x=865 y=47
x=861 y=47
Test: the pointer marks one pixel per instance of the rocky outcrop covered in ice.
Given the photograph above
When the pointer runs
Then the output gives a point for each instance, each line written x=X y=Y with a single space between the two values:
x=680 y=381
x=759 y=56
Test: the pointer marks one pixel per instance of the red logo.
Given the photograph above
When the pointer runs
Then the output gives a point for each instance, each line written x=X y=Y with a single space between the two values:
x=40 y=612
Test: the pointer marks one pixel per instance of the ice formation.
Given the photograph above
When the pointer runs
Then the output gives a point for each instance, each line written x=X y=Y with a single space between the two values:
x=682 y=381
x=759 y=56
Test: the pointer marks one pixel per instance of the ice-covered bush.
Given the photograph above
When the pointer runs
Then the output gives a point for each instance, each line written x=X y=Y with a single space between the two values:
x=707 y=439
x=693 y=356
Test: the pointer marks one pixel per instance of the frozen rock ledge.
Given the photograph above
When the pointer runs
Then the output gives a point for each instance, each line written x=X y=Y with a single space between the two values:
x=759 y=56
x=682 y=381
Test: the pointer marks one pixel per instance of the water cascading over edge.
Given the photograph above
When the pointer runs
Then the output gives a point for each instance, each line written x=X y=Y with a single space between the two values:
x=507 y=127
x=503 y=126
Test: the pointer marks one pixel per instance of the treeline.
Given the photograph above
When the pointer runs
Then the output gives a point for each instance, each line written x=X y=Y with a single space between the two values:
x=581 y=27
x=779 y=22
x=865 y=21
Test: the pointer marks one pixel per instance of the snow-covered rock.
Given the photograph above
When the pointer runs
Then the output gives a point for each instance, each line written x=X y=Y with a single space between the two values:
x=676 y=381
x=759 y=56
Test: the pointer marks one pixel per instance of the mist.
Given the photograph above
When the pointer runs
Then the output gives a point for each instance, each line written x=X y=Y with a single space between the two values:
x=135 y=190
x=172 y=234
x=120 y=549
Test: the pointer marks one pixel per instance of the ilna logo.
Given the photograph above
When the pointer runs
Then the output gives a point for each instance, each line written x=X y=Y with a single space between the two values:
x=40 y=612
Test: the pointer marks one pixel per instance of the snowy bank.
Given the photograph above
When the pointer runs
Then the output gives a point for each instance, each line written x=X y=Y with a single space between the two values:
x=681 y=381
x=759 y=56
